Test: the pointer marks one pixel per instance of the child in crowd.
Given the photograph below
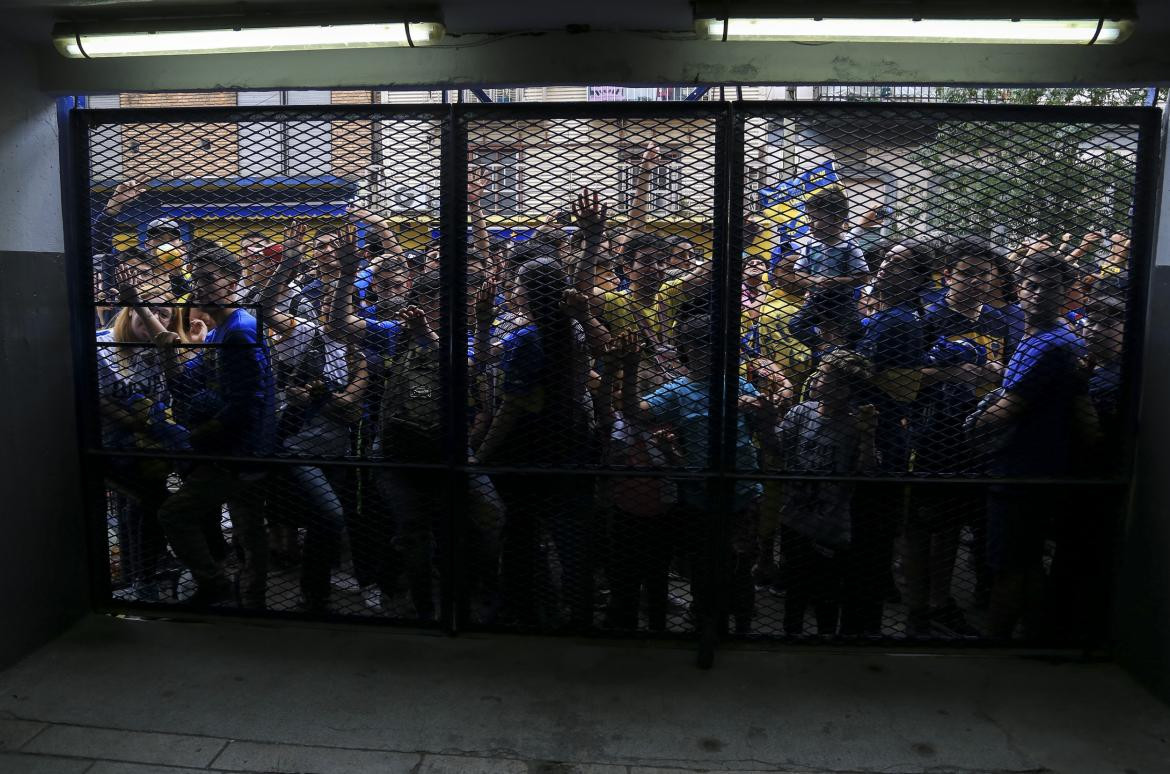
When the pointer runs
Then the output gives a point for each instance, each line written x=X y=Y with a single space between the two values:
x=826 y=435
x=831 y=268
x=683 y=404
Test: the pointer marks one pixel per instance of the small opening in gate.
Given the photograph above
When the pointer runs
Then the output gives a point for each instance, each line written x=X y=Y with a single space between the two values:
x=205 y=145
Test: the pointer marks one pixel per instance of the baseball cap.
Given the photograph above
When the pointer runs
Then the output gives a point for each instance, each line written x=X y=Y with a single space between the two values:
x=163 y=224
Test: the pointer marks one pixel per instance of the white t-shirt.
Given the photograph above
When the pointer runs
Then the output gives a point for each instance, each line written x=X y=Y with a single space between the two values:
x=322 y=433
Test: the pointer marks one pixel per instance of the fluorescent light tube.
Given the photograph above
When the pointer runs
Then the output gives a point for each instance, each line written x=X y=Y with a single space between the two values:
x=82 y=45
x=1042 y=31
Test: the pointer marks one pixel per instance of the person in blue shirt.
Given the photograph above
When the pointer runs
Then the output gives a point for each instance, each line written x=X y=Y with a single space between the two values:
x=1045 y=421
x=831 y=268
x=964 y=362
x=1079 y=587
x=683 y=405
x=545 y=418
x=893 y=342
x=227 y=397
x=1005 y=318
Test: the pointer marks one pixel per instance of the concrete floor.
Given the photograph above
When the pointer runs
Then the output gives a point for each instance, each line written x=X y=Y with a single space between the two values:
x=130 y=697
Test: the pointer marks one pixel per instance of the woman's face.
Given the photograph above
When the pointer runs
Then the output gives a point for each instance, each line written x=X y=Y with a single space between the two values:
x=138 y=328
x=753 y=271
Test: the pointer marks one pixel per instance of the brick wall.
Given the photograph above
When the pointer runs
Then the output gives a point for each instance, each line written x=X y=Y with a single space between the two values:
x=179 y=150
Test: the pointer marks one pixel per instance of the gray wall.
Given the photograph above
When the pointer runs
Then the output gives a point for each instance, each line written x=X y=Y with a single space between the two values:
x=42 y=545
x=1143 y=625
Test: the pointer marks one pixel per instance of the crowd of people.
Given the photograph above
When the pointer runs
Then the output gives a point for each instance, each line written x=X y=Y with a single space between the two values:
x=864 y=356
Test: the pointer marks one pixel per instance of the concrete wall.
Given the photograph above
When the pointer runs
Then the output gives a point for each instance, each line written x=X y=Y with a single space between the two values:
x=42 y=542
x=1142 y=625
x=1143 y=606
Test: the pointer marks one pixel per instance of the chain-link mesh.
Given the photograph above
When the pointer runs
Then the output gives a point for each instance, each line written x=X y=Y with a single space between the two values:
x=777 y=371
x=935 y=295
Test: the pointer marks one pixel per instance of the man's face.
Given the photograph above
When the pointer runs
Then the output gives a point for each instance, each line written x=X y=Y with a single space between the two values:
x=646 y=268
x=325 y=249
x=1041 y=296
x=1104 y=336
x=138 y=327
x=391 y=281
x=969 y=280
x=826 y=224
x=681 y=256
x=213 y=287
x=156 y=239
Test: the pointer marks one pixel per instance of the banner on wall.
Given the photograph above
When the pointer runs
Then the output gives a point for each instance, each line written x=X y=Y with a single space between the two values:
x=606 y=93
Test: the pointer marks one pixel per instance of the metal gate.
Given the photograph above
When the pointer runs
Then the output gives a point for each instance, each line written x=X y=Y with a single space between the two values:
x=756 y=370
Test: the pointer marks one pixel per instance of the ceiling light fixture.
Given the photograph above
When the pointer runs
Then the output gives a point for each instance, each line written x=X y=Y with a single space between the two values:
x=1035 y=31
x=81 y=42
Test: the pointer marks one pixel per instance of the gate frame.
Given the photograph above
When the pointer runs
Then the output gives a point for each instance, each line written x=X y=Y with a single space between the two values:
x=727 y=241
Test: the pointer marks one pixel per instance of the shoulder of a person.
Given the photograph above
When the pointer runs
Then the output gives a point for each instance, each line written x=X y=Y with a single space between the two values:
x=384 y=326
x=802 y=410
x=105 y=334
x=525 y=334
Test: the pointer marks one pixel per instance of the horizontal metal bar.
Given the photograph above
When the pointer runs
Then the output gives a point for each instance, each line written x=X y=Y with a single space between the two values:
x=257 y=308
x=260 y=114
x=181 y=611
x=955 y=111
x=657 y=473
x=537 y=110
x=180 y=345
x=314 y=462
x=664 y=110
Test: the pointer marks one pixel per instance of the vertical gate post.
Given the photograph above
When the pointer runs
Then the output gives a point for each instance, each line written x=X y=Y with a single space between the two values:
x=453 y=339
x=724 y=336
x=74 y=126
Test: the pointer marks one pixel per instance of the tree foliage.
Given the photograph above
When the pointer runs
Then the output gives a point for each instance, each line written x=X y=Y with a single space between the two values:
x=1015 y=179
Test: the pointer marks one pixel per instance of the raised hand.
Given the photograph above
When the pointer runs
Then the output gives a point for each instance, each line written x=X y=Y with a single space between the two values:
x=476 y=186
x=197 y=331
x=125 y=192
x=872 y=218
x=348 y=256
x=296 y=234
x=866 y=418
x=575 y=304
x=650 y=157
x=629 y=347
x=126 y=279
x=589 y=212
x=485 y=300
x=415 y=319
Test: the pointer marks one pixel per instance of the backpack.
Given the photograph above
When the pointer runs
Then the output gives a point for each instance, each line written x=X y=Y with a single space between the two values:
x=412 y=407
